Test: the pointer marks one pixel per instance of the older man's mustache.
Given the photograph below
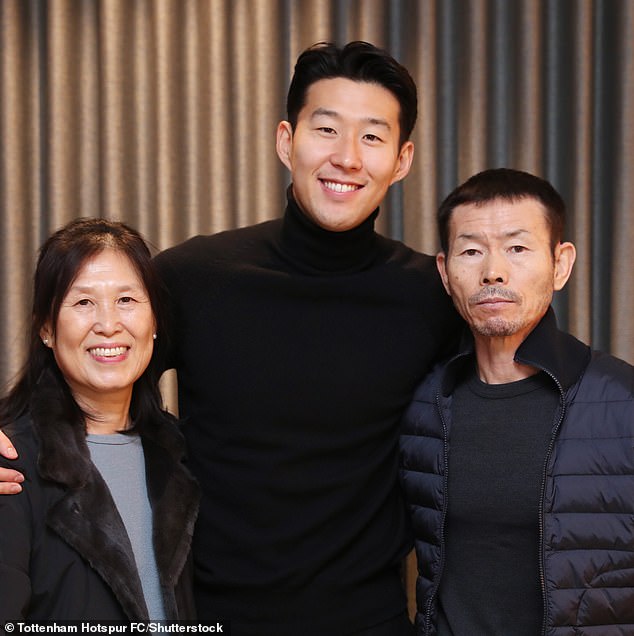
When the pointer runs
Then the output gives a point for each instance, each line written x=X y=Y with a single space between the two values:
x=493 y=293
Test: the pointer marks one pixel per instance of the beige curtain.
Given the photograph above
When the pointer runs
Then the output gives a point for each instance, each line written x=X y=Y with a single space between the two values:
x=162 y=113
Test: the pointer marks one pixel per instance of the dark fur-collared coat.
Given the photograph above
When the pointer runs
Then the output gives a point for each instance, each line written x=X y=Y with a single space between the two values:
x=64 y=552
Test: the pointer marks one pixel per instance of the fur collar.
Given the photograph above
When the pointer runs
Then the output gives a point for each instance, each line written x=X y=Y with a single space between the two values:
x=86 y=516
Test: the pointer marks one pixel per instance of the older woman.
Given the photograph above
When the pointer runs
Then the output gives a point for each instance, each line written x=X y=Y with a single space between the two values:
x=103 y=530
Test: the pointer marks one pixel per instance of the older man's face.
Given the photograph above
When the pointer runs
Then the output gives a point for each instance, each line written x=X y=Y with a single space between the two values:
x=500 y=269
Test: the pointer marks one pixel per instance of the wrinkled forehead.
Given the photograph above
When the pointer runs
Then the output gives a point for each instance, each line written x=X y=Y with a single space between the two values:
x=502 y=215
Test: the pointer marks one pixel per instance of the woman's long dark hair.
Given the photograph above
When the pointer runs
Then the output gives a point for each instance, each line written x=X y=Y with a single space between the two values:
x=60 y=259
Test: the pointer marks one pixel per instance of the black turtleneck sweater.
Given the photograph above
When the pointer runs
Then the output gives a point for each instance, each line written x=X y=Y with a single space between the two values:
x=297 y=349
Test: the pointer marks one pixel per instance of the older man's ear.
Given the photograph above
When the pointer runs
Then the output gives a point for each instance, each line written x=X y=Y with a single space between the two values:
x=441 y=262
x=565 y=256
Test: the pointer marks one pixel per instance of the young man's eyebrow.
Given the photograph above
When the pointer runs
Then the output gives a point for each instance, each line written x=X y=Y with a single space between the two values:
x=326 y=112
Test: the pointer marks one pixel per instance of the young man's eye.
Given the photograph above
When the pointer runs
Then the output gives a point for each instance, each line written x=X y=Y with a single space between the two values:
x=327 y=130
x=371 y=137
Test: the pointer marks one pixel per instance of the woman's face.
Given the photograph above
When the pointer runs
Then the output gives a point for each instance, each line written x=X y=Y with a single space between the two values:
x=103 y=338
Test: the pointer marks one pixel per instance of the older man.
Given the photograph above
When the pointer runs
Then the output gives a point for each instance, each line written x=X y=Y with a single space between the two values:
x=517 y=456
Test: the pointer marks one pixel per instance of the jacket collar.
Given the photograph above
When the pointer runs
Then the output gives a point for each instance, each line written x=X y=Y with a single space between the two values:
x=559 y=354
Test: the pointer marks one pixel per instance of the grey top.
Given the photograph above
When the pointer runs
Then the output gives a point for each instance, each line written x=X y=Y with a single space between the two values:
x=120 y=460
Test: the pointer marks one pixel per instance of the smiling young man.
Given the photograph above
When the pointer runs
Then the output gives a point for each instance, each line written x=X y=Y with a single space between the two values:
x=517 y=454
x=298 y=343
x=344 y=151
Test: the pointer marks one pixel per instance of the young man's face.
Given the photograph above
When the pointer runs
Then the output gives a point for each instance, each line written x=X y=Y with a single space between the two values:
x=344 y=152
x=500 y=269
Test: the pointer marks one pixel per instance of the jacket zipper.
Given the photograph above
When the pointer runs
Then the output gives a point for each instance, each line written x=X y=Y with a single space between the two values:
x=542 y=495
x=542 y=575
x=444 y=519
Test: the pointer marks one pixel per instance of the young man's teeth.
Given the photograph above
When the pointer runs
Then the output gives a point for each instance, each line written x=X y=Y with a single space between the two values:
x=340 y=187
x=110 y=352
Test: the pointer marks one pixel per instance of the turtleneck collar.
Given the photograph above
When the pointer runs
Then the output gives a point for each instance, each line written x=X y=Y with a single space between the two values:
x=313 y=249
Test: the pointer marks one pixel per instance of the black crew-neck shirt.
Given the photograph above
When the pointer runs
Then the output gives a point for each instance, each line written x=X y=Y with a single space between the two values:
x=498 y=441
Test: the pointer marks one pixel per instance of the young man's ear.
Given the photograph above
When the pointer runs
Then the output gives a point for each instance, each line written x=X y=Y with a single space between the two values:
x=565 y=255
x=284 y=143
x=403 y=162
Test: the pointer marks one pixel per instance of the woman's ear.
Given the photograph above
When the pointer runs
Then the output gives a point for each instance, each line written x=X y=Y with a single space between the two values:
x=46 y=333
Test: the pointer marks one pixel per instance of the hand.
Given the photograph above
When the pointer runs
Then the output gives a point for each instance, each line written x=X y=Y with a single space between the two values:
x=10 y=480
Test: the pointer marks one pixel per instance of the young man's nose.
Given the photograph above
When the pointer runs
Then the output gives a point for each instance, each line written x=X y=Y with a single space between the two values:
x=347 y=154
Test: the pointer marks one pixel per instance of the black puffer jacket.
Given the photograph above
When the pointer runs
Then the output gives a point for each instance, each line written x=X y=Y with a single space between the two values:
x=587 y=499
x=64 y=552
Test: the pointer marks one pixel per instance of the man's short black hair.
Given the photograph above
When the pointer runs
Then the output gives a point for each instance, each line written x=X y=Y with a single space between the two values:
x=508 y=185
